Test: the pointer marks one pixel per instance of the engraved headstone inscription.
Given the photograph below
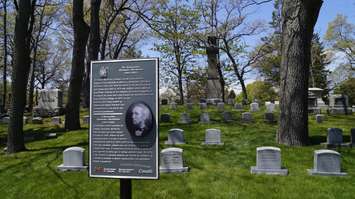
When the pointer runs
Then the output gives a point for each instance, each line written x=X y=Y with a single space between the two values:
x=171 y=161
x=124 y=105
x=268 y=161
x=247 y=117
x=326 y=162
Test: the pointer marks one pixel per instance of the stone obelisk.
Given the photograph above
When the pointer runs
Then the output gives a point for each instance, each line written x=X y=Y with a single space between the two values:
x=214 y=93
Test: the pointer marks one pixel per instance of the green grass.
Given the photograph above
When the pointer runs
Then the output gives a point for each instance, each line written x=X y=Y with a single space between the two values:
x=215 y=171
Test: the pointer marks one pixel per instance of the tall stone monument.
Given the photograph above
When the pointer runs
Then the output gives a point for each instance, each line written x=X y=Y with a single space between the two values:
x=214 y=88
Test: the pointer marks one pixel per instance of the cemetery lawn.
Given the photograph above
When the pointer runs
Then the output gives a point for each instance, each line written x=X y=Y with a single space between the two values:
x=215 y=171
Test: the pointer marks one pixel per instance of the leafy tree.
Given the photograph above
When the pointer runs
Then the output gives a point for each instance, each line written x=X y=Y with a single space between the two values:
x=260 y=90
x=299 y=18
x=341 y=36
x=348 y=88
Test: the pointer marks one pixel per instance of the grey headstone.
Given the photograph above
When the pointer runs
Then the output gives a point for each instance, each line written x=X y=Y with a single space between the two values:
x=5 y=120
x=73 y=159
x=56 y=120
x=227 y=116
x=270 y=108
x=220 y=106
x=247 y=117
x=165 y=117
x=230 y=101
x=86 y=119
x=335 y=137
x=326 y=162
x=203 y=106
x=171 y=160
x=37 y=120
x=189 y=106
x=238 y=106
x=184 y=118
x=268 y=161
x=319 y=118
x=254 y=107
x=50 y=103
x=269 y=117
x=213 y=137
x=204 y=118
x=175 y=136
x=173 y=106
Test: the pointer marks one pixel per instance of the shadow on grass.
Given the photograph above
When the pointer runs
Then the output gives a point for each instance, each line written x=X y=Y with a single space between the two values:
x=60 y=148
x=317 y=139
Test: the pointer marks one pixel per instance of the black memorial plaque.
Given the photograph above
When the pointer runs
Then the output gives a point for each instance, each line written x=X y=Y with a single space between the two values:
x=123 y=125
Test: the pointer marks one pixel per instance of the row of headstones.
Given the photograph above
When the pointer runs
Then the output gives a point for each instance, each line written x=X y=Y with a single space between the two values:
x=254 y=107
x=226 y=115
x=268 y=161
x=176 y=136
x=39 y=120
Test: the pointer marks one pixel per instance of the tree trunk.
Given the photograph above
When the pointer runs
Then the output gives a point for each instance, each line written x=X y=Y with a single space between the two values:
x=180 y=88
x=299 y=18
x=15 y=140
x=81 y=34
x=31 y=89
x=3 y=105
x=244 y=91
x=93 y=47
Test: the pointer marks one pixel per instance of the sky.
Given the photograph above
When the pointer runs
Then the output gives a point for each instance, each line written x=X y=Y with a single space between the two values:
x=328 y=12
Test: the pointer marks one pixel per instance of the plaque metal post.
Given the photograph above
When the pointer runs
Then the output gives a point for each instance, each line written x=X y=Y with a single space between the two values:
x=125 y=189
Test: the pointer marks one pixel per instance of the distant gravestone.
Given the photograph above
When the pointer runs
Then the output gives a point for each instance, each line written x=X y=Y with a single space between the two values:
x=254 y=107
x=86 y=119
x=230 y=101
x=56 y=120
x=269 y=118
x=203 y=106
x=238 y=106
x=268 y=161
x=189 y=106
x=175 y=136
x=334 y=138
x=227 y=116
x=25 y=119
x=165 y=117
x=213 y=137
x=326 y=162
x=203 y=100
x=220 y=106
x=319 y=118
x=50 y=103
x=204 y=118
x=171 y=161
x=173 y=105
x=184 y=118
x=73 y=160
x=37 y=120
x=270 y=107
x=5 y=120
x=353 y=108
x=164 y=102
x=247 y=117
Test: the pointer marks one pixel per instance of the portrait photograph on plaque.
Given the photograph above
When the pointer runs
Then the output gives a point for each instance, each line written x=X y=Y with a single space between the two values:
x=123 y=139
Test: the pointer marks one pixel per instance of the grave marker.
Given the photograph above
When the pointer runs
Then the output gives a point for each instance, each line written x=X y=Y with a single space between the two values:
x=175 y=136
x=326 y=162
x=171 y=161
x=268 y=161
x=73 y=160
x=213 y=137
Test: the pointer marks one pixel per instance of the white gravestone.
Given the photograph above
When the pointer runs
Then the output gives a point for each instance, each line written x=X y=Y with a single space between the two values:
x=220 y=106
x=175 y=136
x=184 y=118
x=270 y=108
x=25 y=119
x=254 y=107
x=37 y=120
x=171 y=161
x=326 y=162
x=247 y=117
x=213 y=137
x=73 y=159
x=204 y=118
x=268 y=161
